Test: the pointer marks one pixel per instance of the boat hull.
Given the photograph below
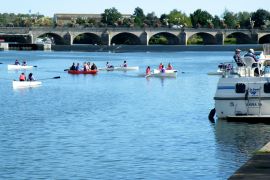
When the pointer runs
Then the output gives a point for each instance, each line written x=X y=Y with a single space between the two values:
x=18 y=67
x=25 y=84
x=82 y=72
x=167 y=73
x=252 y=101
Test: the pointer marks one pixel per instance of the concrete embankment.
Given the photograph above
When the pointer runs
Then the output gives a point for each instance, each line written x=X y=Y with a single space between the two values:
x=154 y=48
x=258 y=167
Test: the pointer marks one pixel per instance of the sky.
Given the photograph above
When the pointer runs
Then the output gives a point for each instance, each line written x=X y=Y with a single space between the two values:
x=50 y=7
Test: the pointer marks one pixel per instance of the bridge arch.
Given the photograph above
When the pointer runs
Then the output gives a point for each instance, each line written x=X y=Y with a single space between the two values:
x=15 y=38
x=126 y=38
x=56 y=39
x=239 y=37
x=165 y=38
x=87 y=38
x=264 y=39
x=202 y=38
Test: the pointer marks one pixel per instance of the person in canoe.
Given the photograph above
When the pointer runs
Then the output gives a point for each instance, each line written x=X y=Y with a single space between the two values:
x=93 y=67
x=124 y=64
x=77 y=68
x=108 y=65
x=160 y=66
x=88 y=66
x=73 y=67
x=24 y=63
x=162 y=70
x=85 y=67
x=148 y=70
x=22 y=77
x=17 y=62
x=31 y=77
x=169 y=67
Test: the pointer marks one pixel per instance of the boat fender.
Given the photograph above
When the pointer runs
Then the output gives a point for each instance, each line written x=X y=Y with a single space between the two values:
x=211 y=115
x=246 y=95
x=267 y=87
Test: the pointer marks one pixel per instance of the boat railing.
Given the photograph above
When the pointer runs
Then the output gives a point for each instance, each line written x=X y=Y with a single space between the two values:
x=250 y=68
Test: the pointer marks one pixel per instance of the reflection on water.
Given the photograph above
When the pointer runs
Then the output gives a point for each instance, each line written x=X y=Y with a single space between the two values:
x=236 y=142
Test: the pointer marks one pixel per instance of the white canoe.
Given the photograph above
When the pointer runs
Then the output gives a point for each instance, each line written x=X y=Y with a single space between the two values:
x=118 y=68
x=173 y=71
x=25 y=84
x=18 y=67
x=167 y=73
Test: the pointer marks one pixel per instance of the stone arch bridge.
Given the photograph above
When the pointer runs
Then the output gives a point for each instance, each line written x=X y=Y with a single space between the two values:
x=132 y=36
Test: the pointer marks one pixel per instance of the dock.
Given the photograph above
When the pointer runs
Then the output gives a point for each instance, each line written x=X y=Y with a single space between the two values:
x=258 y=167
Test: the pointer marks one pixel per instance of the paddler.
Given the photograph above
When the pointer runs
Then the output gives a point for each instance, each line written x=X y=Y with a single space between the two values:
x=148 y=70
x=125 y=64
x=22 y=77
x=30 y=77
x=169 y=67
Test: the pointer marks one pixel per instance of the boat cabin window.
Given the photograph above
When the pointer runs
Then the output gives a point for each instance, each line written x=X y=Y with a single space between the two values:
x=240 y=88
x=266 y=87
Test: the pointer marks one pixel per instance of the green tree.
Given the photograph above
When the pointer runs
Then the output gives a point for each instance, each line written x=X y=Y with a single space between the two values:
x=80 y=21
x=200 y=18
x=164 y=19
x=139 y=17
x=260 y=16
x=176 y=17
x=243 y=19
x=230 y=19
x=216 y=22
x=151 y=20
x=110 y=16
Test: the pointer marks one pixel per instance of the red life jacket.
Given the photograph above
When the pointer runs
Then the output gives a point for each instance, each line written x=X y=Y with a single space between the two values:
x=169 y=68
x=22 y=77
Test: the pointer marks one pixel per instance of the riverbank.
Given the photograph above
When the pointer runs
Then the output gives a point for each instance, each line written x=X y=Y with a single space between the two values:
x=154 y=48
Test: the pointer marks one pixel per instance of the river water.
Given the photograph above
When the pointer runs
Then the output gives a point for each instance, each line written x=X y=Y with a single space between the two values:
x=119 y=125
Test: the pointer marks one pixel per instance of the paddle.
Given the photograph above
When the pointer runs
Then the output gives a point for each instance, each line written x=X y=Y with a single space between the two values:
x=66 y=69
x=1 y=63
x=56 y=77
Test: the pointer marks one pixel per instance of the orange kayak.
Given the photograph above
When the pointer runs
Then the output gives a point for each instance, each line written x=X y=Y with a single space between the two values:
x=82 y=72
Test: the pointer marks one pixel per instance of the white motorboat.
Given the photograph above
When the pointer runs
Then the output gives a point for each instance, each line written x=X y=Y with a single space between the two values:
x=245 y=96
x=120 y=68
x=18 y=67
x=25 y=84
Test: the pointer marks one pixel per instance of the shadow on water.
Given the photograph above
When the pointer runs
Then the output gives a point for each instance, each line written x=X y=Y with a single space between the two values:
x=237 y=141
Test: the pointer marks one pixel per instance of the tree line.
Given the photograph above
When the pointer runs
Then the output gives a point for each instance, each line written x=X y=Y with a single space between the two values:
x=175 y=19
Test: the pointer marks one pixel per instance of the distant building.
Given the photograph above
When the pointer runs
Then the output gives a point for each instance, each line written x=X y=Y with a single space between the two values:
x=65 y=19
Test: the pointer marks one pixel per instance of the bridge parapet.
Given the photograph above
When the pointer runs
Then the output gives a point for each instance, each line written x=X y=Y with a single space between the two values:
x=144 y=34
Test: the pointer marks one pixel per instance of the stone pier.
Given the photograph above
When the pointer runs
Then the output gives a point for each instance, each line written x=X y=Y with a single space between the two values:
x=258 y=167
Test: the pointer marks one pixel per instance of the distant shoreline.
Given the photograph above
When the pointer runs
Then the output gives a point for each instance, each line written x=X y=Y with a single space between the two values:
x=155 y=48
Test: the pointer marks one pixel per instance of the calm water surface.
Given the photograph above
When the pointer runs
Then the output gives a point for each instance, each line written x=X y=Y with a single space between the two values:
x=118 y=125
